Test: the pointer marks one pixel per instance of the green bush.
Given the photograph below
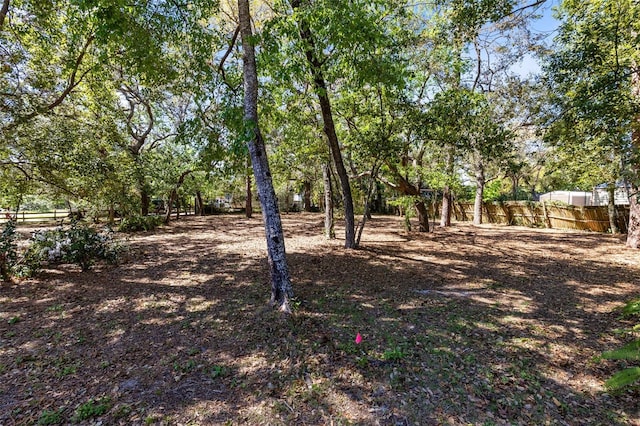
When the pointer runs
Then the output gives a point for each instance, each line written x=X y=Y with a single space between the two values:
x=78 y=244
x=629 y=352
x=8 y=250
x=140 y=223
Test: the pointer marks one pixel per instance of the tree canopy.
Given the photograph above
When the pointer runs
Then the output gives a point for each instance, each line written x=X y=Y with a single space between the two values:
x=107 y=104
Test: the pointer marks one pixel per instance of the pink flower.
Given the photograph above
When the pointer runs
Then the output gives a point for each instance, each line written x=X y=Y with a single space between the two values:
x=358 y=339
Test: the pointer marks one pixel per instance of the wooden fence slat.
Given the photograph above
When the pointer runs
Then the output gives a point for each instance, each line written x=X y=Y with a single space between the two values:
x=588 y=218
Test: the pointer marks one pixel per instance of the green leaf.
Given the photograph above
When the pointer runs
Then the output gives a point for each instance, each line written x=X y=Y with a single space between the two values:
x=630 y=351
x=623 y=378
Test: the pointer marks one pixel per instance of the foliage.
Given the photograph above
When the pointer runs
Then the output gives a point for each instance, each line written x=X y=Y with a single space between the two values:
x=50 y=418
x=92 y=408
x=8 y=250
x=405 y=203
x=589 y=75
x=628 y=352
x=79 y=244
x=138 y=223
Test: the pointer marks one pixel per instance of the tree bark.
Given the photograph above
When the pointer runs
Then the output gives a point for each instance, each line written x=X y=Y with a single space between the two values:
x=322 y=92
x=281 y=289
x=248 y=205
x=329 y=231
x=447 y=200
x=611 y=208
x=3 y=12
x=307 y=196
x=633 y=233
x=145 y=200
x=199 y=203
x=633 y=230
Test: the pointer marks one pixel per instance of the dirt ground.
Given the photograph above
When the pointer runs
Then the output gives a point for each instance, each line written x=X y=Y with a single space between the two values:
x=481 y=325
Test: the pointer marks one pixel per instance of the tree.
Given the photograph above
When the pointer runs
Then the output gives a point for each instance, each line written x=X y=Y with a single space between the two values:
x=594 y=84
x=281 y=289
x=63 y=62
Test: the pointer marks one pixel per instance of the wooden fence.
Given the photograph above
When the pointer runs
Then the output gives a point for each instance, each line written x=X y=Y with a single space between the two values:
x=53 y=216
x=545 y=215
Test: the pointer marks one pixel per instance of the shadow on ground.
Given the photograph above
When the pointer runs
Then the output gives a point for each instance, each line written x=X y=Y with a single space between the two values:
x=462 y=326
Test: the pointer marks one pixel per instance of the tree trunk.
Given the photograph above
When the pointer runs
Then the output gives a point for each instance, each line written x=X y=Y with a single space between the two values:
x=281 y=289
x=199 y=203
x=248 y=206
x=329 y=127
x=307 y=196
x=173 y=197
x=480 y=182
x=514 y=190
x=633 y=230
x=145 y=200
x=611 y=208
x=423 y=215
x=329 y=232
x=406 y=188
x=447 y=198
x=3 y=12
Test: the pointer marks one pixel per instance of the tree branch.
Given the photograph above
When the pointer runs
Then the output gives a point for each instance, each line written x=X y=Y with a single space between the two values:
x=72 y=82
x=3 y=12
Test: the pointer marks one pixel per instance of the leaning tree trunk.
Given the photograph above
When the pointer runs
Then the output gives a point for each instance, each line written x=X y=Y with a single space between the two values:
x=480 y=182
x=329 y=231
x=281 y=289
x=200 y=203
x=406 y=188
x=322 y=92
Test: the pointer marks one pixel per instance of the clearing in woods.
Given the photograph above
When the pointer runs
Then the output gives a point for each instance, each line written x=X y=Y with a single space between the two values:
x=467 y=325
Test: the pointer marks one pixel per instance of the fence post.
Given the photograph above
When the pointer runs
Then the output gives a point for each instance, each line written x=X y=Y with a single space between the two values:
x=507 y=212
x=547 y=221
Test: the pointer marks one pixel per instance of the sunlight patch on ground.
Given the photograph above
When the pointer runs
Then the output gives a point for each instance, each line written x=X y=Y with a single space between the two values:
x=111 y=305
x=200 y=304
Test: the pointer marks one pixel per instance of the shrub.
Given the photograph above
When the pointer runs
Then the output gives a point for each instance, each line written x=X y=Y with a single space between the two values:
x=8 y=250
x=79 y=244
x=629 y=352
x=140 y=223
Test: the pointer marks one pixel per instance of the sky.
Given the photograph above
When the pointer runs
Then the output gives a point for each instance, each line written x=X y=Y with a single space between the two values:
x=546 y=25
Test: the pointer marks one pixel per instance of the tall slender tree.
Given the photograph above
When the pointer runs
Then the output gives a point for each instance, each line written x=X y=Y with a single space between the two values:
x=281 y=288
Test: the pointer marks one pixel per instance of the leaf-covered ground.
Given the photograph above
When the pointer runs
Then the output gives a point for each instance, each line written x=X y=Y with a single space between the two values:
x=467 y=325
